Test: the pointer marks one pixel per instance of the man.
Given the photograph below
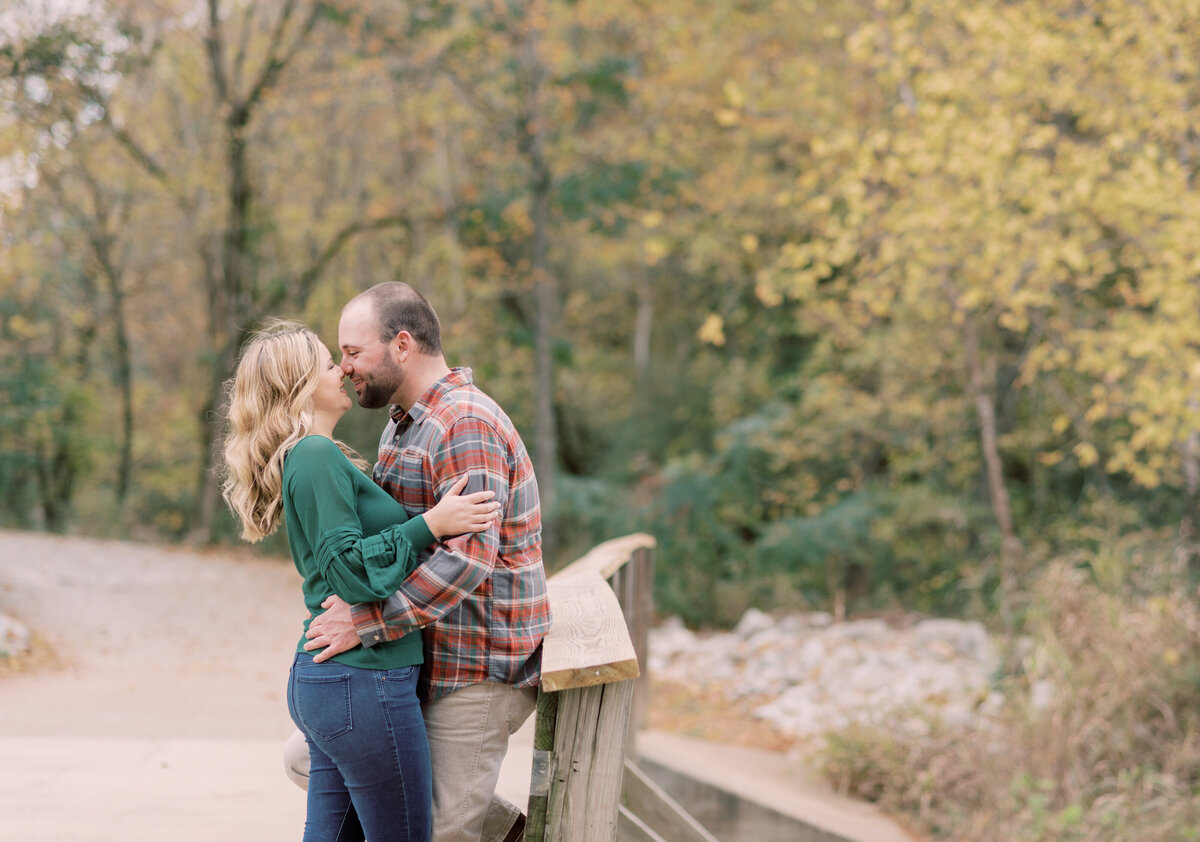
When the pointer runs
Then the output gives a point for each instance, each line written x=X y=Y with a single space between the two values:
x=480 y=599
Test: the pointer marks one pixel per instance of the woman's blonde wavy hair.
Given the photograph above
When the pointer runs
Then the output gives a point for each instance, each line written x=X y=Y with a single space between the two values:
x=270 y=401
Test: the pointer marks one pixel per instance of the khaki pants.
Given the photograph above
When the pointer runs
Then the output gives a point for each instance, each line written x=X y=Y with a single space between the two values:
x=468 y=734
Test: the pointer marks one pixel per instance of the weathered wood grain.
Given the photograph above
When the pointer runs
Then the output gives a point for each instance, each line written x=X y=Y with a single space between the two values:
x=589 y=642
x=588 y=762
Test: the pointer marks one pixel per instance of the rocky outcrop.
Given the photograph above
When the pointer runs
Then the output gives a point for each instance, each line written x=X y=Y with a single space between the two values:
x=15 y=638
x=807 y=674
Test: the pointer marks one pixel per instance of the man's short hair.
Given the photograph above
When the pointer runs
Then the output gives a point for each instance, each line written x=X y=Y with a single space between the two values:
x=397 y=306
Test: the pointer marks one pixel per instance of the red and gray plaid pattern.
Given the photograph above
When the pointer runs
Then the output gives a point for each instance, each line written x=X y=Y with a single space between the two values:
x=481 y=600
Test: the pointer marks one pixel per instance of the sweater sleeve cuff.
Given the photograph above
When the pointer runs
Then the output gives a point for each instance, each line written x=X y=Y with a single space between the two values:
x=387 y=559
x=398 y=544
x=416 y=530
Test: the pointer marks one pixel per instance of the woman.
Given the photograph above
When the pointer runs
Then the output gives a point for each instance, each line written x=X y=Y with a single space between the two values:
x=370 y=774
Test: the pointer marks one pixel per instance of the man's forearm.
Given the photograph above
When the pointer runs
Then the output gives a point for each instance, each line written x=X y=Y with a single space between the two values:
x=436 y=587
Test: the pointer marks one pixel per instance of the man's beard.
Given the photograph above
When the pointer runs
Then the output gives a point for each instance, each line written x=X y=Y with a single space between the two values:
x=378 y=389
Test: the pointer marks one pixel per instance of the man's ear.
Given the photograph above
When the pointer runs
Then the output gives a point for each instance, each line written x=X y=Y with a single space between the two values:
x=402 y=346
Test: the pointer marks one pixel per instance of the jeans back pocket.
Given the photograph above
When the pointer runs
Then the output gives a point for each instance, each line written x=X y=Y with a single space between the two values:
x=323 y=704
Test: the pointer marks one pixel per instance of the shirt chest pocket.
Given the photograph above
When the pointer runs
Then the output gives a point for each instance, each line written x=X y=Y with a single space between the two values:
x=405 y=474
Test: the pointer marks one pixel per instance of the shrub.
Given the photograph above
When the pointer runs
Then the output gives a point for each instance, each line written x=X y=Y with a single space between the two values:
x=1098 y=736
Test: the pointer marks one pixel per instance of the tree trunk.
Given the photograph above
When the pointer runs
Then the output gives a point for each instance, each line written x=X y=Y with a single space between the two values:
x=232 y=301
x=981 y=380
x=545 y=429
x=545 y=284
x=56 y=466
x=125 y=387
x=233 y=308
x=98 y=227
x=448 y=194
x=208 y=489
x=642 y=327
x=230 y=307
x=1191 y=497
x=114 y=276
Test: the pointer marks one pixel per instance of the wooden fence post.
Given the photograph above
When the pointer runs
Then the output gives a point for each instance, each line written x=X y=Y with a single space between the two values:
x=588 y=763
x=589 y=664
x=543 y=759
x=634 y=587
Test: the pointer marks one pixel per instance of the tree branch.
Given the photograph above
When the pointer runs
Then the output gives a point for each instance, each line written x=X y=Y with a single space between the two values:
x=308 y=279
x=215 y=44
x=275 y=64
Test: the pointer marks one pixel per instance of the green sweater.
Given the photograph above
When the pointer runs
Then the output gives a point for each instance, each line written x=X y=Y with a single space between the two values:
x=349 y=537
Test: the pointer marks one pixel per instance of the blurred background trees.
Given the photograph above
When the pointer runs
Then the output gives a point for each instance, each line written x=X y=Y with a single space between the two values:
x=857 y=305
x=853 y=305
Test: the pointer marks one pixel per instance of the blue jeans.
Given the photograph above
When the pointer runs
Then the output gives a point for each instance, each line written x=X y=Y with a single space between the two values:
x=370 y=776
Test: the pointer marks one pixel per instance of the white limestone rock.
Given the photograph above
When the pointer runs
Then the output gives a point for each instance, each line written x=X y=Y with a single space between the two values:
x=819 y=675
x=15 y=638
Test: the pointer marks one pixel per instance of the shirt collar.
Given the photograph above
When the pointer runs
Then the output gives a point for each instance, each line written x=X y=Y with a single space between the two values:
x=456 y=379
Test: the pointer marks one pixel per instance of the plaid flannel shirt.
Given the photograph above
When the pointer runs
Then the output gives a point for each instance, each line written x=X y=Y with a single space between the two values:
x=481 y=599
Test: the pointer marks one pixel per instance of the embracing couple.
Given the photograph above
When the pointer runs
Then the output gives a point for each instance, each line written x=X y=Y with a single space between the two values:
x=424 y=582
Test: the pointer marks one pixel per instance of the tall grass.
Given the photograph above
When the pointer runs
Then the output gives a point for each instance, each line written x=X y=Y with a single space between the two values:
x=1095 y=737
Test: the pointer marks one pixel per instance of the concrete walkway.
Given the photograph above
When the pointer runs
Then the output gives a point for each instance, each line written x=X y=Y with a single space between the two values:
x=72 y=789
x=106 y=790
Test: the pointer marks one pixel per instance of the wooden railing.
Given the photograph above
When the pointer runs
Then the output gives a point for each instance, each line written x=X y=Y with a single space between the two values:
x=584 y=785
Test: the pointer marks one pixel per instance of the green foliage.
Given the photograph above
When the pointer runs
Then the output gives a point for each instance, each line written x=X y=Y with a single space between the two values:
x=699 y=553
x=582 y=195
x=821 y=556
x=862 y=550
x=600 y=85
x=590 y=508
x=837 y=555
x=46 y=418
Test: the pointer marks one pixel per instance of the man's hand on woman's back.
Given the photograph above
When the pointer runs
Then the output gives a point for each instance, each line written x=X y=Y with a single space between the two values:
x=333 y=630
